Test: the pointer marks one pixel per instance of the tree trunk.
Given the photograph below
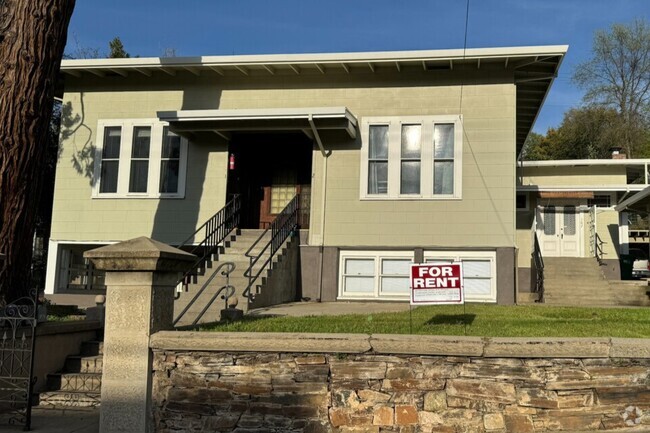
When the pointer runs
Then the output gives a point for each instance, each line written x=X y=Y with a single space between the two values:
x=32 y=39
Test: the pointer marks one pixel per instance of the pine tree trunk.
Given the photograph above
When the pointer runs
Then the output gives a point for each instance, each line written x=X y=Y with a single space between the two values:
x=32 y=39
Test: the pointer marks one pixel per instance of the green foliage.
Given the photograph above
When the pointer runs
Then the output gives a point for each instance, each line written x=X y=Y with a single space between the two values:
x=116 y=49
x=477 y=320
x=585 y=133
x=617 y=76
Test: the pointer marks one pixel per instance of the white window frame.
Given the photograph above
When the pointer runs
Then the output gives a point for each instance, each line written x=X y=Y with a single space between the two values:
x=124 y=169
x=426 y=157
x=459 y=256
x=377 y=256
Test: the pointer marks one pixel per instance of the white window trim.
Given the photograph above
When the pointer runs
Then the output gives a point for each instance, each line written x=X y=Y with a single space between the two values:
x=124 y=170
x=471 y=255
x=377 y=256
x=426 y=157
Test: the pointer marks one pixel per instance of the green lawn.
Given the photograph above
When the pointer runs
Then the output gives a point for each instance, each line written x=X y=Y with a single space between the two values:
x=475 y=320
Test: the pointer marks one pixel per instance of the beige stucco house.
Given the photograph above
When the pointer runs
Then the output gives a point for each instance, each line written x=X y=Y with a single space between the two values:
x=399 y=157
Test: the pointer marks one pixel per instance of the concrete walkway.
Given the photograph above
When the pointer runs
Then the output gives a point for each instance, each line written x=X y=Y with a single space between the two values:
x=77 y=420
x=298 y=309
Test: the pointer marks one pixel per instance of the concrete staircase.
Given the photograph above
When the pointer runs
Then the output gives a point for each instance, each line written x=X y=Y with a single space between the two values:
x=234 y=250
x=574 y=281
x=80 y=382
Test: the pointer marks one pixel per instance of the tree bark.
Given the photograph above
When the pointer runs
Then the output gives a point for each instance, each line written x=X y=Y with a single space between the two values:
x=33 y=35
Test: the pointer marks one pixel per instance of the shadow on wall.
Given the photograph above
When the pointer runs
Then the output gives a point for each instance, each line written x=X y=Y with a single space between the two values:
x=176 y=219
x=613 y=234
x=83 y=158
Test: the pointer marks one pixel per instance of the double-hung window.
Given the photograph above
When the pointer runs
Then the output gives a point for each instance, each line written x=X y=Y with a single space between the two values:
x=110 y=159
x=139 y=175
x=139 y=158
x=411 y=158
x=170 y=162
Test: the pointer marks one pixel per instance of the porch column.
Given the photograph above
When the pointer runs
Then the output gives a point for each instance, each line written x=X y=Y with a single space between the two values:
x=141 y=276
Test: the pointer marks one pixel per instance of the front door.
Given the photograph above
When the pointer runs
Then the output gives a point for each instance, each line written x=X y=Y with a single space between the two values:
x=269 y=170
x=559 y=230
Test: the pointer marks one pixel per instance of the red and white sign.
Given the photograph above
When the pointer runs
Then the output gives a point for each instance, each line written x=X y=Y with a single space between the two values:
x=437 y=284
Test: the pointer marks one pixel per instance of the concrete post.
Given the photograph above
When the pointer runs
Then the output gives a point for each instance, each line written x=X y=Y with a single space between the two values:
x=140 y=278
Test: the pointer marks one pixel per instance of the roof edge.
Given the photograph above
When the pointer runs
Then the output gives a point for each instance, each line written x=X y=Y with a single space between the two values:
x=346 y=57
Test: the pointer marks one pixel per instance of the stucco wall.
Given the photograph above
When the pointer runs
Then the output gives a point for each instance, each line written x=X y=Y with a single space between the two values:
x=372 y=383
x=484 y=216
x=607 y=229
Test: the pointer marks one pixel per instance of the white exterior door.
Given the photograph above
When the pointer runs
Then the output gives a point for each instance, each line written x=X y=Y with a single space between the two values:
x=559 y=230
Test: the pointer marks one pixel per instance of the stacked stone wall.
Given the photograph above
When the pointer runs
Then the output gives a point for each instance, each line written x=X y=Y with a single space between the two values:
x=263 y=391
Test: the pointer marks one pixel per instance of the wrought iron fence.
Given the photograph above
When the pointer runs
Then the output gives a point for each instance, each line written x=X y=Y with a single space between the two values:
x=18 y=322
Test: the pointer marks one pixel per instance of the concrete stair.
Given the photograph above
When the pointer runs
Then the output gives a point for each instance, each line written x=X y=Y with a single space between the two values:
x=234 y=250
x=573 y=281
x=80 y=382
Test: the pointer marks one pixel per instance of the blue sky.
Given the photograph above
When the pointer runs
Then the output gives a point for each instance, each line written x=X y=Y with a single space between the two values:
x=208 y=27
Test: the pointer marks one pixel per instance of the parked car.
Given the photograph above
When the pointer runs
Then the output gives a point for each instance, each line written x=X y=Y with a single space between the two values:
x=640 y=267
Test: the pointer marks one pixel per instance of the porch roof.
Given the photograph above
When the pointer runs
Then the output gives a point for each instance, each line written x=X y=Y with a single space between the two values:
x=639 y=202
x=224 y=122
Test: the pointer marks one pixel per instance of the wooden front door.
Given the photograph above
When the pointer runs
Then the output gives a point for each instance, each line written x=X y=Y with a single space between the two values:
x=277 y=196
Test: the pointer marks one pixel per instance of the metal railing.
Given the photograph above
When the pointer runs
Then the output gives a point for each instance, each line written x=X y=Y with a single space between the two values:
x=216 y=229
x=227 y=288
x=598 y=248
x=283 y=226
x=538 y=261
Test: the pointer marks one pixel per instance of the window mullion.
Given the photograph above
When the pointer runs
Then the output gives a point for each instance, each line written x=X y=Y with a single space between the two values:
x=124 y=170
x=155 y=152
x=394 y=154
x=426 y=166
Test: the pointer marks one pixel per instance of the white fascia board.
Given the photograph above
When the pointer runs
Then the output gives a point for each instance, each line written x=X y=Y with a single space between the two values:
x=258 y=114
x=594 y=188
x=582 y=162
x=335 y=58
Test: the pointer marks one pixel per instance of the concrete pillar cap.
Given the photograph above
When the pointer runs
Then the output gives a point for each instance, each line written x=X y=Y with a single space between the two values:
x=140 y=254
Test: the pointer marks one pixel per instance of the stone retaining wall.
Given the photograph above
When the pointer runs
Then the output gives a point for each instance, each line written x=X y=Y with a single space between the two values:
x=244 y=382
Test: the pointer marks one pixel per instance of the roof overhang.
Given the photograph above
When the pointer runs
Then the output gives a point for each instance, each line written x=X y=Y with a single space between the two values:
x=224 y=122
x=534 y=68
x=639 y=202
x=582 y=162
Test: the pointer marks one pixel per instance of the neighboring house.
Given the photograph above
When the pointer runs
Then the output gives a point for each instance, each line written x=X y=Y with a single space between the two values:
x=400 y=157
x=569 y=206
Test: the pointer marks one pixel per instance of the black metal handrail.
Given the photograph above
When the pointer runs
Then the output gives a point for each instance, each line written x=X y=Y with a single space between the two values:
x=598 y=248
x=230 y=291
x=283 y=226
x=538 y=260
x=216 y=230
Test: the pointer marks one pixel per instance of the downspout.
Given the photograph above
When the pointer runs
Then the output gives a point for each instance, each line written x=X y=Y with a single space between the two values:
x=326 y=154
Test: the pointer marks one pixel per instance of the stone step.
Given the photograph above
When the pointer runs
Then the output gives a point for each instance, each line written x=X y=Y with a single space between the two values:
x=84 y=364
x=57 y=399
x=76 y=382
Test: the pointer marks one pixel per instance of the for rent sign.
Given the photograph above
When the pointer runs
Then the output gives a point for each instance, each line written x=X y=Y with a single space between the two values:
x=437 y=284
